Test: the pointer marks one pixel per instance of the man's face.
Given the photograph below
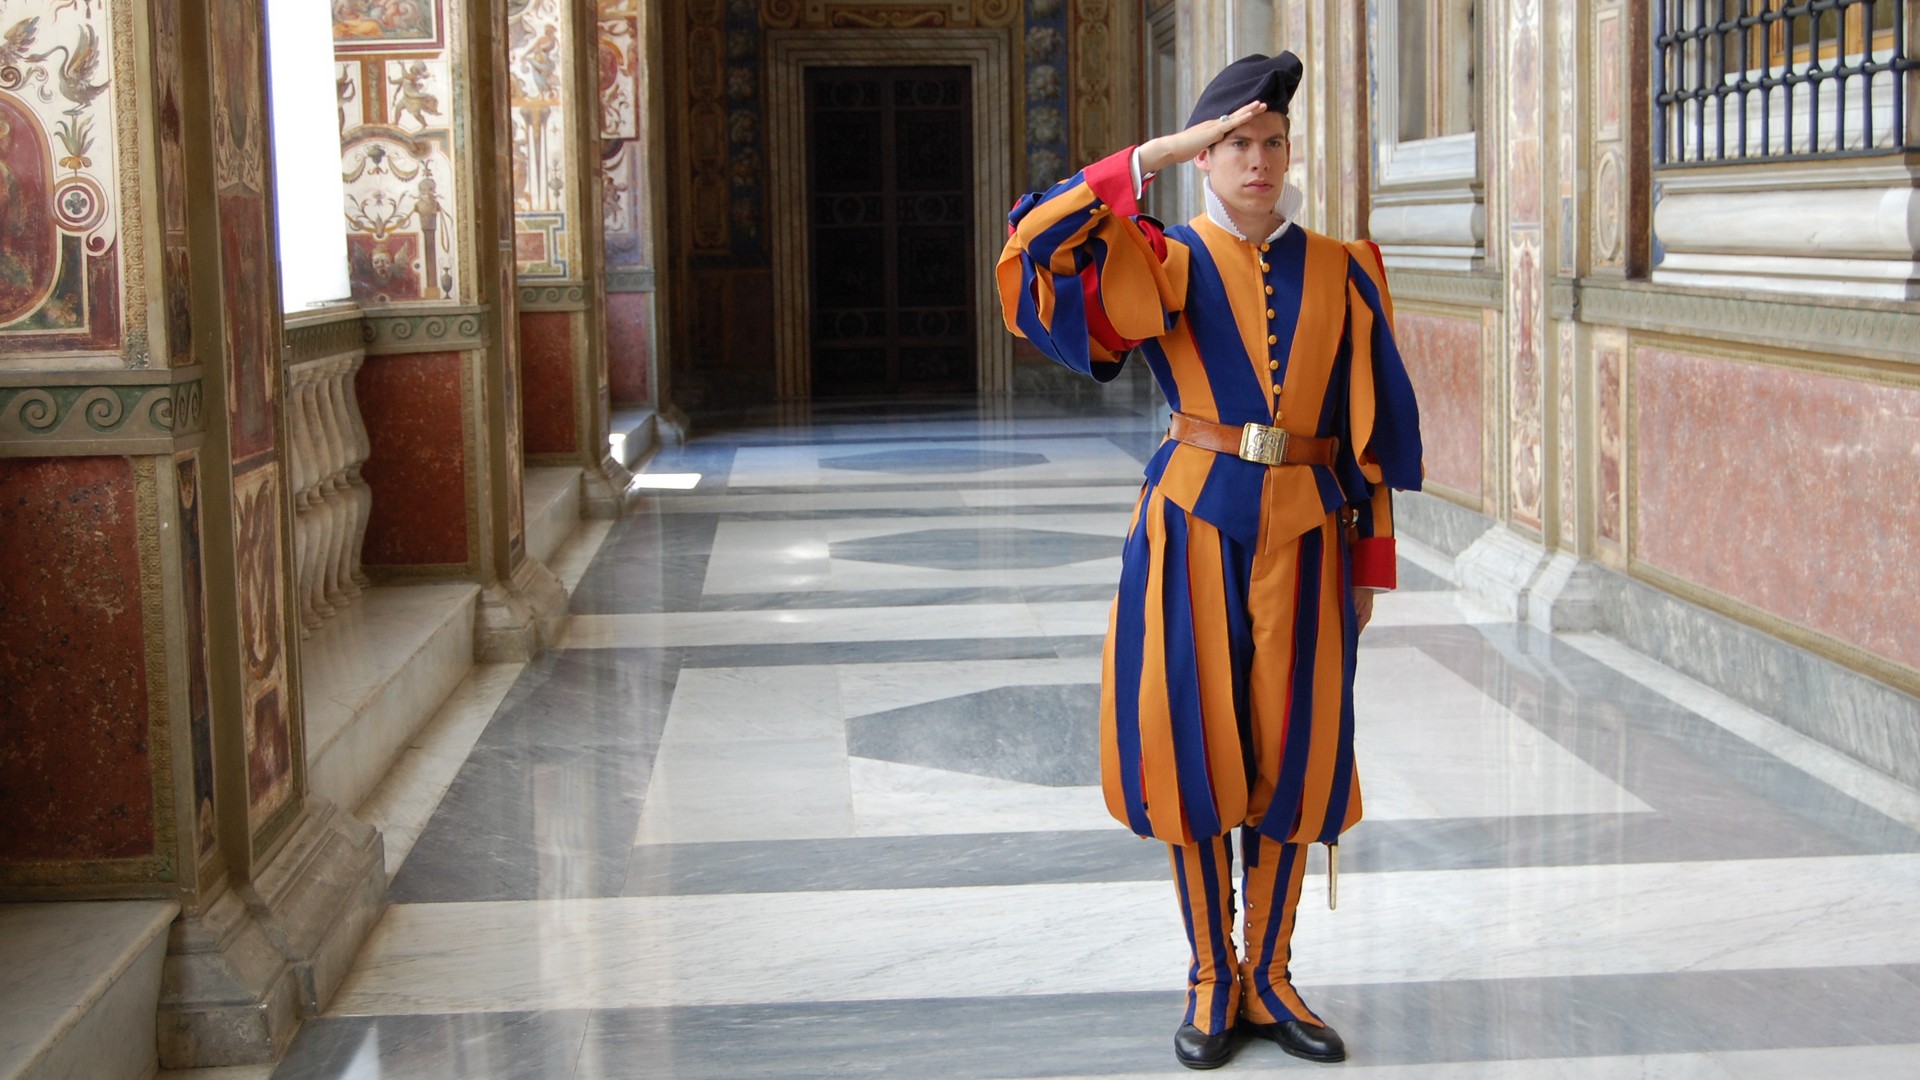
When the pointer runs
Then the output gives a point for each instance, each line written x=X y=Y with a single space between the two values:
x=1247 y=167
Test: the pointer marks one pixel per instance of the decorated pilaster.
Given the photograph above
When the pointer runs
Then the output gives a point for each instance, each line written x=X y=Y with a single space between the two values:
x=145 y=615
x=431 y=254
x=559 y=96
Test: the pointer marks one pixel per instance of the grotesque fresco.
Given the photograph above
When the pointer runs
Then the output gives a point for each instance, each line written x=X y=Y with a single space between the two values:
x=262 y=656
x=395 y=94
x=390 y=22
x=199 y=717
x=621 y=61
x=536 y=62
x=59 y=223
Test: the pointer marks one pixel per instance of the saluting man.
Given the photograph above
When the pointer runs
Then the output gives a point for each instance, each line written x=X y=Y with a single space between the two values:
x=1263 y=529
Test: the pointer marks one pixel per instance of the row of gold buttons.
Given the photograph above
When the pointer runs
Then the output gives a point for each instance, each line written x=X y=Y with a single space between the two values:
x=1273 y=364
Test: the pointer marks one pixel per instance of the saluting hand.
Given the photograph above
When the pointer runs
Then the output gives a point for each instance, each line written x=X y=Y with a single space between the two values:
x=1157 y=154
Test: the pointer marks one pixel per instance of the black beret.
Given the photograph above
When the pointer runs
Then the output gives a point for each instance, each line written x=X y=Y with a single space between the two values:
x=1271 y=79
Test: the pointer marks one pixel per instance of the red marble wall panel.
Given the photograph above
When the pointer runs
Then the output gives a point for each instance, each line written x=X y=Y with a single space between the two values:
x=75 y=772
x=1789 y=490
x=547 y=374
x=630 y=346
x=1443 y=359
x=412 y=405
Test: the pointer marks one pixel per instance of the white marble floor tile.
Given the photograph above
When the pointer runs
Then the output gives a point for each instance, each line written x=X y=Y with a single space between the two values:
x=764 y=789
x=781 y=556
x=872 y=688
x=892 y=799
x=722 y=503
x=1089 y=459
x=1901 y=1062
x=1870 y=786
x=769 y=556
x=1424 y=557
x=570 y=563
x=1108 y=494
x=1045 y=939
x=1460 y=753
x=1420 y=608
x=738 y=705
x=800 y=625
x=1074 y=618
x=424 y=771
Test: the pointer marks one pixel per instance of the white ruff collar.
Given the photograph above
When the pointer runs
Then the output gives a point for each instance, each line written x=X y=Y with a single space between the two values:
x=1287 y=206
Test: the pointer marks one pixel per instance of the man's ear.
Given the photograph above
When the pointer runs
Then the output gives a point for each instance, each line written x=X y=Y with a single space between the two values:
x=1205 y=160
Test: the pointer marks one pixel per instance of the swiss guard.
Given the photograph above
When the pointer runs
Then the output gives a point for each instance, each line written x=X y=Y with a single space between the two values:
x=1261 y=534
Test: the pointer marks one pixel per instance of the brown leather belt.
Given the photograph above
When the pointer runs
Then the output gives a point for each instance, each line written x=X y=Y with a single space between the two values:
x=1253 y=442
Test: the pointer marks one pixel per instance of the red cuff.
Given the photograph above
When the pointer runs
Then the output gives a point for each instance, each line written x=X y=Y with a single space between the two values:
x=1098 y=325
x=1374 y=565
x=1111 y=180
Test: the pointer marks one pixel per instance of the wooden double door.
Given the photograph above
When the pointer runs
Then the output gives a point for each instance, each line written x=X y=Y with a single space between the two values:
x=890 y=230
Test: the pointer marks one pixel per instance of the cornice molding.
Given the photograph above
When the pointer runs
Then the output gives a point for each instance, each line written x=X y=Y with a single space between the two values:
x=639 y=279
x=557 y=296
x=316 y=339
x=393 y=330
x=1882 y=330
x=1442 y=287
x=79 y=417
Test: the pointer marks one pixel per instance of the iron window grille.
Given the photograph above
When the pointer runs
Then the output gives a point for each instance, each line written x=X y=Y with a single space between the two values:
x=1752 y=80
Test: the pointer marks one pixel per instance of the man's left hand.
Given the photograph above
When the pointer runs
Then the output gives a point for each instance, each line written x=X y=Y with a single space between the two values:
x=1362 y=607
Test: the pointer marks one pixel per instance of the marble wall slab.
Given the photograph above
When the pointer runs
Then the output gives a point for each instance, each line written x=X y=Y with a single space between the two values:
x=75 y=757
x=629 y=346
x=414 y=405
x=1443 y=358
x=547 y=368
x=1789 y=490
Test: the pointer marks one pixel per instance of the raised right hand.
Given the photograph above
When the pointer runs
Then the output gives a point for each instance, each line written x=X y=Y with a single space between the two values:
x=1157 y=154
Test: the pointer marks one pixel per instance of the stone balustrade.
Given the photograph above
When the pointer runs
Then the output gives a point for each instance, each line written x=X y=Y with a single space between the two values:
x=327 y=443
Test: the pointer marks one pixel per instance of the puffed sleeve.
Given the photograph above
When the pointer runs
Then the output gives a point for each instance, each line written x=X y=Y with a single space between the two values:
x=1384 y=418
x=1083 y=276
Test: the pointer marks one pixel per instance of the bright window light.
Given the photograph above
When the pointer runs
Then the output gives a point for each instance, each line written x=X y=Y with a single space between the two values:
x=306 y=155
x=667 y=481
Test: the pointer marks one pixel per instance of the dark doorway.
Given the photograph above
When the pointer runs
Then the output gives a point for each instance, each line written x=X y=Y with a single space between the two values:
x=890 y=230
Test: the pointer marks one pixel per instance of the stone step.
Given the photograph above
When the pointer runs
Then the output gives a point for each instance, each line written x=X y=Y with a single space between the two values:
x=553 y=508
x=635 y=434
x=374 y=674
x=80 y=988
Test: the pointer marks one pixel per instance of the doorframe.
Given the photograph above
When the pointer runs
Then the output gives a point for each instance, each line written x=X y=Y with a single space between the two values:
x=987 y=56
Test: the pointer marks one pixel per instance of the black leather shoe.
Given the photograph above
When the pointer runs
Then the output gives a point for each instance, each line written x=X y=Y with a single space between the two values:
x=1197 y=1050
x=1304 y=1040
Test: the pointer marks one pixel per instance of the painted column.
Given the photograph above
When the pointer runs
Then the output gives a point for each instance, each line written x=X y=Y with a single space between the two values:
x=144 y=616
x=555 y=78
x=430 y=252
x=632 y=178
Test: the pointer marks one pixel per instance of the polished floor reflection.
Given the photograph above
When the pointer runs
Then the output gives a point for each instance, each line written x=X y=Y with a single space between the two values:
x=810 y=790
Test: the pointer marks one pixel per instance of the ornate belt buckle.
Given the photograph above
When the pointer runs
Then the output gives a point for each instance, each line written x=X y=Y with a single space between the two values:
x=1262 y=444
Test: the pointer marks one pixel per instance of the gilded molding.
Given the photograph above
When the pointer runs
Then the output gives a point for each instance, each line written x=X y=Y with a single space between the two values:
x=1859 y=328
x=102 y=415
x=1441 y=287
x=559 y=296
x=422 y=329
x=307 y=340
x=626 y=281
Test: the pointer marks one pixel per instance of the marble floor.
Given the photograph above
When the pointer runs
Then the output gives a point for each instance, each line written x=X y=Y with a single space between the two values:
x=810 y=790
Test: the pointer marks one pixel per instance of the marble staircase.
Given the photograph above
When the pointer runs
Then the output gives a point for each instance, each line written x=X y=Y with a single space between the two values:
x=78 y=983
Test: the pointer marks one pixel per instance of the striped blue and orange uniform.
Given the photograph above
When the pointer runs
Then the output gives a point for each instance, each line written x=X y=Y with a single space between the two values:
x=1227 y=686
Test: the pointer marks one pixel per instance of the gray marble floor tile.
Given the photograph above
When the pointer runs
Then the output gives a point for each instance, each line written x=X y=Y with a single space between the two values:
x=894 y=862
x=844 y=598
x=869 y=652
x=934 y=460
x=1034 y=734
x=1385 y=1024
x=978 y=548
x=469 y=1046
x=1415 y=579
x=649 y=562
